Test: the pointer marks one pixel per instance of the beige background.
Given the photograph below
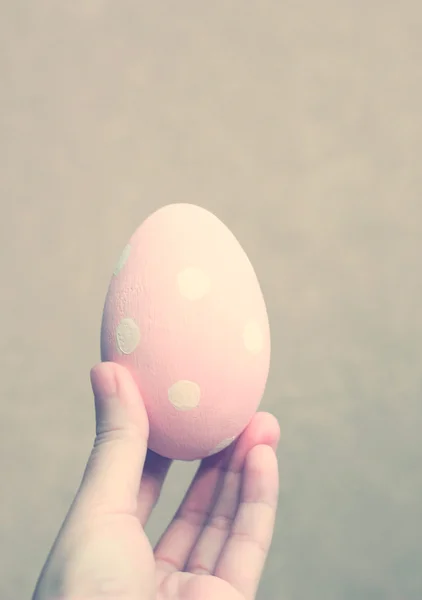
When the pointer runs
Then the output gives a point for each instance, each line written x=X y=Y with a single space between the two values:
x=299 y=123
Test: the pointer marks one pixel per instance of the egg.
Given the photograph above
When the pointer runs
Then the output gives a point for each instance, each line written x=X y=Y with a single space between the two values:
x=185 y=314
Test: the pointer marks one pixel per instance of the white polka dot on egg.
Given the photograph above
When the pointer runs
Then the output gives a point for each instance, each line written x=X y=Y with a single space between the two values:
x=193 y=283
x=184 y=395
x=122 y=260
x=128 y=336
x=222 y=445
x=253 y=338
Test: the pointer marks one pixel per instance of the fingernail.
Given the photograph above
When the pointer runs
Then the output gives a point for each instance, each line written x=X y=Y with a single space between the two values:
x=103 y=379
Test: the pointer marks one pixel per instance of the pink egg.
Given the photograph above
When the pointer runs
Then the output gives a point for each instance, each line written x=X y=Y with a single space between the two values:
x=185 y=314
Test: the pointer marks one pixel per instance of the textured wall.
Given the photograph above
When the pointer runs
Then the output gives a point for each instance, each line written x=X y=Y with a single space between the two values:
x=300 y=125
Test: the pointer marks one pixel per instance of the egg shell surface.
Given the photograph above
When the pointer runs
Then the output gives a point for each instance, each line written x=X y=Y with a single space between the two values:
x=185 y=314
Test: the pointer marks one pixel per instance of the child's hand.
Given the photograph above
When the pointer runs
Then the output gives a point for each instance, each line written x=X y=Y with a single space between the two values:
x=217 y=543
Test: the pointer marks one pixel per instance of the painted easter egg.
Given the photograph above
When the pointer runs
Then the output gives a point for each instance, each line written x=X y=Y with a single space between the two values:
x=185 y=314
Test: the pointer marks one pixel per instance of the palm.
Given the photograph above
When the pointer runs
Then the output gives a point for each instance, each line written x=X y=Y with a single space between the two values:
x=198 y=586
x=216 y=545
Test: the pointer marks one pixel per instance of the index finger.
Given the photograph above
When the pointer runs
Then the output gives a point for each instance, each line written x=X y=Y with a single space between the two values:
x=154 y=473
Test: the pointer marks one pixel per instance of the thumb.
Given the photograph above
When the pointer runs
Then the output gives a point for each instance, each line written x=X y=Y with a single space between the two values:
x=112 y=477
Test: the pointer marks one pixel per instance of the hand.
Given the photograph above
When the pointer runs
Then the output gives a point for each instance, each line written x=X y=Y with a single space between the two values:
x=217 y=543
